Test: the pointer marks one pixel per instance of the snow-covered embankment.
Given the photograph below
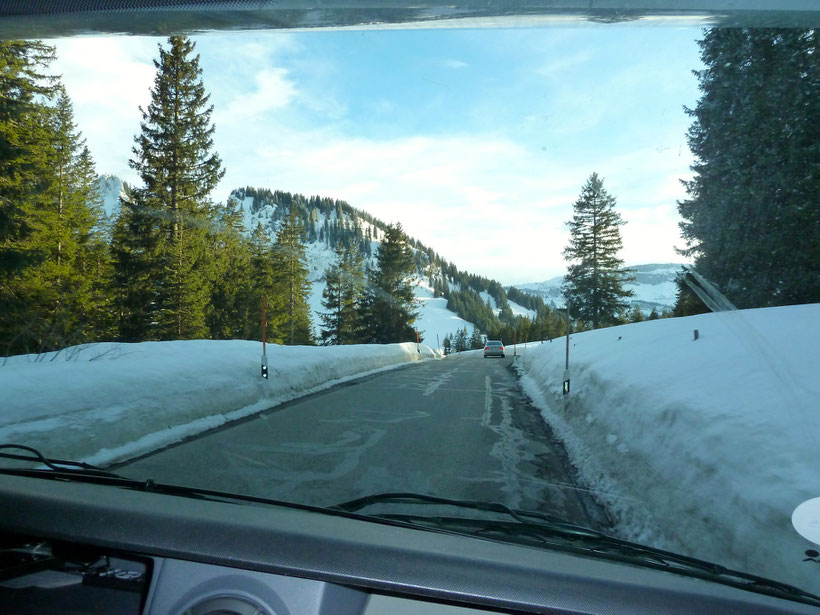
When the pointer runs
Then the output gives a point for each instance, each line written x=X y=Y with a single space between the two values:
x=702 y=446
x=107 y=402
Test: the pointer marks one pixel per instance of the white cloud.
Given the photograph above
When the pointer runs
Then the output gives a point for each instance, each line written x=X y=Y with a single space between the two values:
x=488 y=204
x=108 y=79
x=455 y=64
x=274 y=90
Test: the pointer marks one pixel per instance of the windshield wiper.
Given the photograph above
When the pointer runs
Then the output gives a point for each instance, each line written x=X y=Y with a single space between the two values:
x=78 y=471
x=55 y=465
x=543 y=529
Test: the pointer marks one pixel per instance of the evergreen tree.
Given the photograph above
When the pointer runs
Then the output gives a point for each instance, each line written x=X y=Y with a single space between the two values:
x=264 y=289
x=476 y=341
x=292 y=283
x=230 y=305
x=25 y=90
x=391 y=300
x=174 y=159
x=49 y=284
x=594 y=281
x=24 y=83
x=751 y=221
x=461 y=342
x=342 y=297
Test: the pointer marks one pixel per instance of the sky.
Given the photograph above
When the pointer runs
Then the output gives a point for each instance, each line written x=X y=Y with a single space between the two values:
x=478 y=141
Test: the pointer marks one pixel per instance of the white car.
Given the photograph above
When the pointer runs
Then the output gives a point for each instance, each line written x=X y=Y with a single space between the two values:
x=494 y=348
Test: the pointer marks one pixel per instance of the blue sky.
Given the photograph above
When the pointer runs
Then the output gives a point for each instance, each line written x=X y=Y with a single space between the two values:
x=477 y=140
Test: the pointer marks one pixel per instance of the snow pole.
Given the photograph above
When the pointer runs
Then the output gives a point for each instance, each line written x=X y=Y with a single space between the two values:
x=566 y=364
x=515 y=347
x=264 y=332
x=418 y=342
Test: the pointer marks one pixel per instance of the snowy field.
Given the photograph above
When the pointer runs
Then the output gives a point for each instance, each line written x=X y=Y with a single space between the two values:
x=709 y=444
x=107 y=402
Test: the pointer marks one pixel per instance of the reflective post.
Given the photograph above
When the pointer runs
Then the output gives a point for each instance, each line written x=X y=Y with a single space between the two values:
x=264 y=352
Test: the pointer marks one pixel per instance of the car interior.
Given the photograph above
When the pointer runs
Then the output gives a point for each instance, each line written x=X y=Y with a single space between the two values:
x=104 y=544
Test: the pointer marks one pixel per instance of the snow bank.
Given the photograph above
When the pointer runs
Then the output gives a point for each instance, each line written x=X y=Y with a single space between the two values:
x=107 y=402
x=704 y=447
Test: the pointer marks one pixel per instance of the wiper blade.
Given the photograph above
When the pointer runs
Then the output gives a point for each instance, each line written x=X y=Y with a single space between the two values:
x=542 y=529
x=522 y=516
x=63 y=470
x=56 y=465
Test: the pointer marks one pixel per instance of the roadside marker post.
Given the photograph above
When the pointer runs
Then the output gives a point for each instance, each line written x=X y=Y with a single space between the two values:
x=264 y=351
x=566 y=364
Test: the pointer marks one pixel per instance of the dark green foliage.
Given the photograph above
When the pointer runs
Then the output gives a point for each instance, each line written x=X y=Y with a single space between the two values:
x=264 y=290
x=24 y=82
x=53 y=259
x=752 y=222
x=291 y=282
x=174 y=158
x=233 y=304
x=390 y=300
x=687 y=302
x=343 y=297
x=594 y=282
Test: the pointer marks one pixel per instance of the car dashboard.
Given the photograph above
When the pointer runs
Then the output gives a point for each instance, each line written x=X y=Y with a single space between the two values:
x=72 y=547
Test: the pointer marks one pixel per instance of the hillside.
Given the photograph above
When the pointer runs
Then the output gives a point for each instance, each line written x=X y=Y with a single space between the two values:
x=654 y=287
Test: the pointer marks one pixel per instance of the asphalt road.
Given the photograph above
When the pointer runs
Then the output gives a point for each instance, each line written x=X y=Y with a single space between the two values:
x=456 y=428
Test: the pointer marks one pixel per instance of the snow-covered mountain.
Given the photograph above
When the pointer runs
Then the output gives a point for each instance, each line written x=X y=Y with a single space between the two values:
x=111 y=188
x=654 y=287
x=327 y=220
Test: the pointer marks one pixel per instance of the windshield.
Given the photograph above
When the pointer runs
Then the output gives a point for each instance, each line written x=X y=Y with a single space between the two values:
x=273 y=264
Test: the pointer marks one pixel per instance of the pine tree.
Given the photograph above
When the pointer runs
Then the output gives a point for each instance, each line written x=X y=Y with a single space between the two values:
x=343 y=297
x=48 y=189
x=292 y=283
x=174 y=159
x=594 y=282
x=24 y=82
x=751 y=221
x=264 y=288
x=25 y=91
x=391 y=301
x=231 y=291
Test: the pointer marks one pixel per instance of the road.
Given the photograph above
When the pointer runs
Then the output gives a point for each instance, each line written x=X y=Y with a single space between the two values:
x=457 y=428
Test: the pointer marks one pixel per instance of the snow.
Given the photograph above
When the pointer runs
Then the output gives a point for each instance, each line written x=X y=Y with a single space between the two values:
x=654 y=287
x=485 y=296
x=517 y=310
x=110 y=189
x=520 y=310
x=434 y=320
x=107 y=402
x=702 y=447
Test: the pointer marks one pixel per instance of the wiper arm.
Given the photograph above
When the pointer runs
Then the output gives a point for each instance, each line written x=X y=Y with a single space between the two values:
x=60 y=469
x=522 y=516
x=542 y=529
x=57 y=465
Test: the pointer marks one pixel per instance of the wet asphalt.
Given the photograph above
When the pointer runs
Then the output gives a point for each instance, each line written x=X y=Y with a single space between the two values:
x=455 y=428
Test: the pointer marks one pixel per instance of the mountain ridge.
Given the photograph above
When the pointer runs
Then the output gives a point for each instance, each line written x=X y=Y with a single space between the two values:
x=654 y=287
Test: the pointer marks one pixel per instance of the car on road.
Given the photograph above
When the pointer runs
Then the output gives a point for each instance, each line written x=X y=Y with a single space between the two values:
x=493 y=348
